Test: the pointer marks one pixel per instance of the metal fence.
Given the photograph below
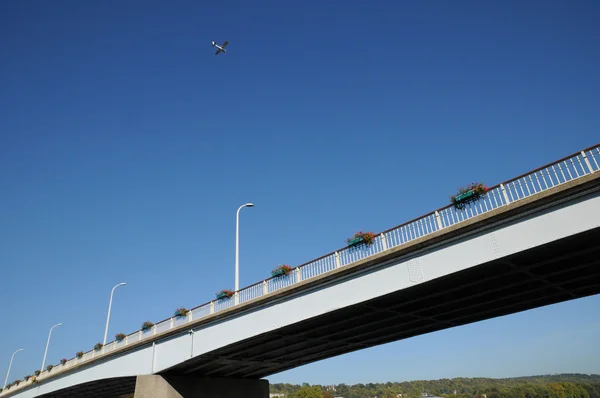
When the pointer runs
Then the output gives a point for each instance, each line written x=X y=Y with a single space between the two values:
x=524 y=186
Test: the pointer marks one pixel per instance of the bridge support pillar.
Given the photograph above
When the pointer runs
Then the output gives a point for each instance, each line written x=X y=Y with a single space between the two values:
x=155 y=386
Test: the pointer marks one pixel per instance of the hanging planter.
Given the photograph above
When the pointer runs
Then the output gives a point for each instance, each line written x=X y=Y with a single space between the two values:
x=470 y=193
x=79 y=354
x=120 y=337
x=282 y=270
x=63 y=361
x=224 y=294
x=147 y=326
x=366 y=238
x=180 y=312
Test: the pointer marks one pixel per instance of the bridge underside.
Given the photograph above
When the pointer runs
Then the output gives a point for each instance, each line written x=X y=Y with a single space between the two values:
x=559 y=271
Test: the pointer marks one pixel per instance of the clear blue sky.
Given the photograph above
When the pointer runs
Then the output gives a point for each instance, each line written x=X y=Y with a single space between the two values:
x=126 y=146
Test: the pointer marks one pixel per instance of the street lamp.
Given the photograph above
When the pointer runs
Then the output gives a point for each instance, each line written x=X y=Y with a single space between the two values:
x=47 y=343
x=9 y=366
x=237 y=246
x=109 y=306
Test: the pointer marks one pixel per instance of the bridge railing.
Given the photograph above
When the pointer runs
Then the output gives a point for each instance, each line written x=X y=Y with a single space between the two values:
x=521 y=187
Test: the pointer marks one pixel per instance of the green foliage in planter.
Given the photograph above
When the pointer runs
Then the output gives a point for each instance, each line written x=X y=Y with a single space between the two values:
x=281 y=270
x=147 y=326
x=180 y=312
x=465 y=195
x=361 y=237
x=224 y=294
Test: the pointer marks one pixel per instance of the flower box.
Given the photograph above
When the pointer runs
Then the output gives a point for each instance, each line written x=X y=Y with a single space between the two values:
x=120 y=337
x=223 y=294
x=98 y=346
x=79 y=354
x=282 y=270
x=49 y=367
x=366 y=238
x=63 y=361
x=147 y=326
x=26 y=378
x=180 y=312
x=465 y=195
x=468 y=194
x=355 y=241
x=37 y=373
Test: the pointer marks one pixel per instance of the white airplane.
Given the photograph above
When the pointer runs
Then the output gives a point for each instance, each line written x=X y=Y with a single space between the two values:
x=220 y=48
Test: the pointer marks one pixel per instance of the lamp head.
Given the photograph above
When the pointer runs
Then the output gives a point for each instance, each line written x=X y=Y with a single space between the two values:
x=249 y=205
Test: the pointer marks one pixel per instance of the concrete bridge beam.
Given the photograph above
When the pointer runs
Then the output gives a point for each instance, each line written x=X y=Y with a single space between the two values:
x=179 y=386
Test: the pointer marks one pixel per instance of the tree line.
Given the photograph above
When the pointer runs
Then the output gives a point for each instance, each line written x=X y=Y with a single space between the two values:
x=546 y=386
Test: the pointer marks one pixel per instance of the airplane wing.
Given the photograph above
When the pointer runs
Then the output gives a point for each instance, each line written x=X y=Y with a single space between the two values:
x=218 y=52
x=225 y=44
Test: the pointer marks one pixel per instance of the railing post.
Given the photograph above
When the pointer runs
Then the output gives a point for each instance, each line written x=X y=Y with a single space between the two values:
x=298 y=275
x=587 y=162
x=337 y=260
x=191 y=317
x=265 y=288
x=154 y=327
x=383 y=242
x=171 y=323
x=439 y=220
x=504 y=193
x=236 y=299
x=212 y=307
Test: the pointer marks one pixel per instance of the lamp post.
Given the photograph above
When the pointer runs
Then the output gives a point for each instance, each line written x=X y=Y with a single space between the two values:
x=237 y=247
x=109 y=307
x=48 y=343
x=9 y=366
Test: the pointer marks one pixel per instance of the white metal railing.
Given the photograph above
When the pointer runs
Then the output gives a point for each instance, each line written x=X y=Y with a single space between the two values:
x=542 y=179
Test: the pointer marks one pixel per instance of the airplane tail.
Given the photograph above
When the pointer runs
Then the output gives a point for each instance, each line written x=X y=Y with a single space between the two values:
x=213 y=43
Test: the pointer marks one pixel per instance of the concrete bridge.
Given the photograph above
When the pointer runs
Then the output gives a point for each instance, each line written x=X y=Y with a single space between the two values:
x=531 y=241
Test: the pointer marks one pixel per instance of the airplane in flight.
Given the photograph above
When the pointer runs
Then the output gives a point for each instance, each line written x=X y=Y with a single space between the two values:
x=220 y=48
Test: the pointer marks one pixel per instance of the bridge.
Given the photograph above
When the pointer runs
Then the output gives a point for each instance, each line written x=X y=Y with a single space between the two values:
x=530 y=241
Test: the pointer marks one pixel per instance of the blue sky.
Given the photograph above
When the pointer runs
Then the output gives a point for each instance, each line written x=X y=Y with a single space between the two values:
x=126 y=147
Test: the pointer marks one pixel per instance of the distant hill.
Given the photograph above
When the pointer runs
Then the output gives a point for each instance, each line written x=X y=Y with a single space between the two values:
x=571 y=385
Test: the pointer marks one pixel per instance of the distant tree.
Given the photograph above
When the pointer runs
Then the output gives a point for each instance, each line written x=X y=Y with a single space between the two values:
x=309 y=392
